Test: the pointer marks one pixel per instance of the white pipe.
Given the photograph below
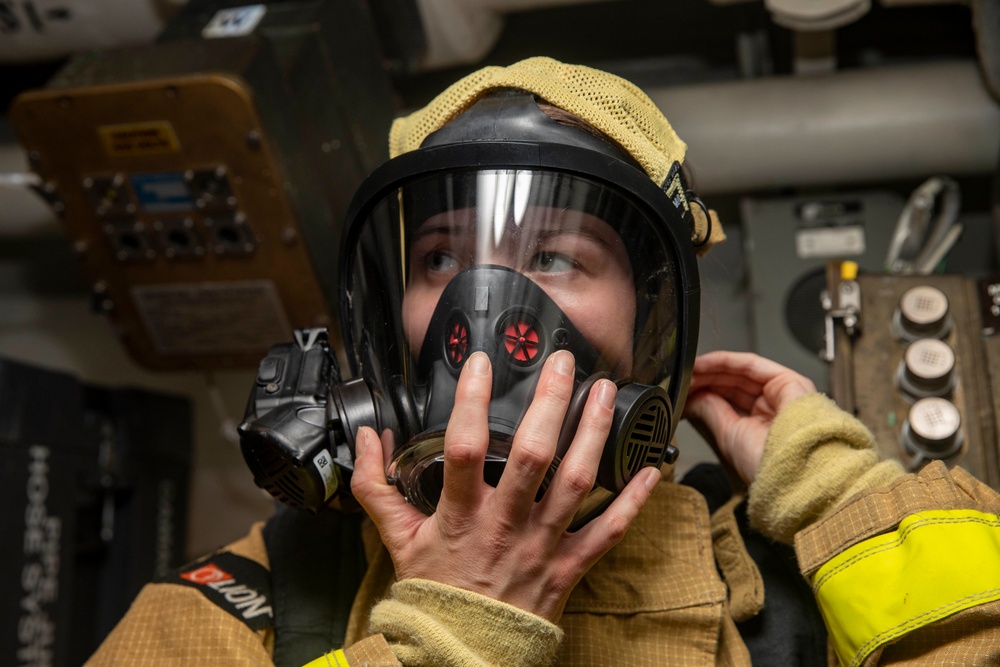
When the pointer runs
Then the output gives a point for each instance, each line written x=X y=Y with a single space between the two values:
x=463 y=32
x=849 y=127
x=40 y=31
x=22 y=212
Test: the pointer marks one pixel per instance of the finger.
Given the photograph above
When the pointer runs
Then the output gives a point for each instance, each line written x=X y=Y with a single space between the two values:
x=764 y=407
x=747 y=364
x=739 y=398
x=711 y=416
x=783 y=390
x=467 y=437
x=737 y=440
x=369 y=485
x=535 y=440
x=596 y=538
x=701 y=404
x=712 y=380
x=742 y=400
x=752 y=374
x=577 y=472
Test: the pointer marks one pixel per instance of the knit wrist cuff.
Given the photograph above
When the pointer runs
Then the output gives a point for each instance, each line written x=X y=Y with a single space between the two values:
x=815 y=456
x=428 y=623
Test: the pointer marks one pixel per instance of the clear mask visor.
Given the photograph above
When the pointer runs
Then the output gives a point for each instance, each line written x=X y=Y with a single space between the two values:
x=592 y=253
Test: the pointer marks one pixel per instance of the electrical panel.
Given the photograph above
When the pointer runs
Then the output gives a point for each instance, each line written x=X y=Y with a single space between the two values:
x=788 y=242
x=203 y=180
x=917 y=359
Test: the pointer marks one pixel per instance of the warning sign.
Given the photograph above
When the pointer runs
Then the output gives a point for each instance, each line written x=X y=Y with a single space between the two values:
x=131 y=139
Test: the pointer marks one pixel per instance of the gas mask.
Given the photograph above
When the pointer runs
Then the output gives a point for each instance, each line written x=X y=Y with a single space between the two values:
x=514 y=248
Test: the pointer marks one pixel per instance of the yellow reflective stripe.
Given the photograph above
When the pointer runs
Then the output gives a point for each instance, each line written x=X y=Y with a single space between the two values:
x=332 y=659
x=935 y=564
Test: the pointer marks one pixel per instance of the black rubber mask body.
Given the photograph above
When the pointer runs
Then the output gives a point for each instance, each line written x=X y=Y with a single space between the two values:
x=504 y=314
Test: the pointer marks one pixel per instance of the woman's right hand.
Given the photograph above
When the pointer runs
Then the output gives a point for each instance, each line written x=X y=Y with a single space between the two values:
x=498 y=541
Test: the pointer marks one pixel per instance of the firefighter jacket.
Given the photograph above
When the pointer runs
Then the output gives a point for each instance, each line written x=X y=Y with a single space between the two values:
x=905 y=569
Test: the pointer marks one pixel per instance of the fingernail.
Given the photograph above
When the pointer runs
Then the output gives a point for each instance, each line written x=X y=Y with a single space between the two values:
x=606 y=394
x=652 y=479
x=361 y=443
x=479 y=363
x=563 y=363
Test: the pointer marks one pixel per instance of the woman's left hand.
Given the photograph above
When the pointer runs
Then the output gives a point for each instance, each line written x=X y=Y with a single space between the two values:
x=734 y=398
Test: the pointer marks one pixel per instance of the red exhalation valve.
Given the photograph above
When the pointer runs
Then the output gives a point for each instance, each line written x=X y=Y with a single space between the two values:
x=521 y=340
x=458 y=342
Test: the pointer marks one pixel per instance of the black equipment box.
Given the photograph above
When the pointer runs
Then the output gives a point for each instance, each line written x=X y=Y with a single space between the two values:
x=94 y=488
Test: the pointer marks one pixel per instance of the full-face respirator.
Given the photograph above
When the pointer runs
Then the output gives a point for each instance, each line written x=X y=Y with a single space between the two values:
x=512 y=234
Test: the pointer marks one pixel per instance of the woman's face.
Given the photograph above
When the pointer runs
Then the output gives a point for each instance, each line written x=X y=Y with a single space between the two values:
x=575 y=257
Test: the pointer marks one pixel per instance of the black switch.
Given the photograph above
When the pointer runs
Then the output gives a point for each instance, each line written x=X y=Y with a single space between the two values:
x=269 y=370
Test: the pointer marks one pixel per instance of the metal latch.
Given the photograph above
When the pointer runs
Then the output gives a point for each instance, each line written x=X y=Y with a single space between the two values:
x=844 y=306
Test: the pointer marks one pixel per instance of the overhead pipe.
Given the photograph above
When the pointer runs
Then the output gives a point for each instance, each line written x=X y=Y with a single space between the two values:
x=463 y=32
x=849 y=127
x=846 y=128
x=22 y=212
x=46 y=31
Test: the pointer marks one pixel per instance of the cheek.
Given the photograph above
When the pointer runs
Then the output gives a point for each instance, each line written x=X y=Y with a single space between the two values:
x=605 y=315
x=418 y=306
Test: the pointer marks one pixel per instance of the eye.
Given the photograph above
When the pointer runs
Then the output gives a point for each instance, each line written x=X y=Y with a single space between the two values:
x=441 y=262
x=552 y=262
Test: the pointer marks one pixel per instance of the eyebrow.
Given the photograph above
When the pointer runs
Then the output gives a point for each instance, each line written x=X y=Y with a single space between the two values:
x=440 y=228
x=537 y=233
x=586 y=230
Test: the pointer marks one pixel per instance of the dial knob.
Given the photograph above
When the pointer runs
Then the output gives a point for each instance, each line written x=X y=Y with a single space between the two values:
x=933 y=429
x=922 y=313
x=927 y=369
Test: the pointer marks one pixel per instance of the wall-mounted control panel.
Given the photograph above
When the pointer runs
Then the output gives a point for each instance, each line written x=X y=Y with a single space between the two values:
x=917 y=360
x=203 y=181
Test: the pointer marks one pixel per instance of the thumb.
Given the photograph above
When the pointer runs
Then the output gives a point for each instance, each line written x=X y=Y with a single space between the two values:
x=383 y=503
x=710 y=414
x=716 y=421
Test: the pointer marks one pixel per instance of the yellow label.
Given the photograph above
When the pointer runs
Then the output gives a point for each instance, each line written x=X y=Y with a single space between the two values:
x=131 y=139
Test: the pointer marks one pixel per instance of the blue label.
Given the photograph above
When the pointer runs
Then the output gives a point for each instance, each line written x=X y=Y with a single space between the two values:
x=160 y=192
